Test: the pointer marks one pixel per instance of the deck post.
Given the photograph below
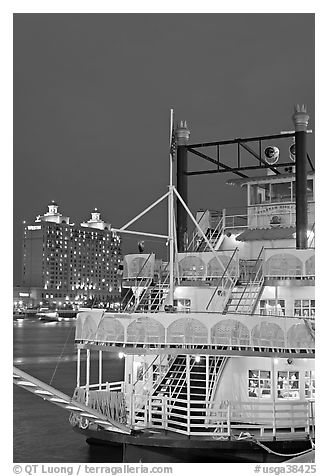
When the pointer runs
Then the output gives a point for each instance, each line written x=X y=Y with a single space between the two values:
x=132 y=420
x=87 y=383
x=207 y=360
x=100 y=369
x=273 y=399
x=229 y=419
x=164 y=410
x=188 y=391
x=78 y=368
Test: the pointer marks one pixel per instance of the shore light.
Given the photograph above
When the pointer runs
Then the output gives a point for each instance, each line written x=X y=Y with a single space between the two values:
x=121 y=355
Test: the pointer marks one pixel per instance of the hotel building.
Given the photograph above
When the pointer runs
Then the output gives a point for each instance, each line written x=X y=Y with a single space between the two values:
x=64 y=263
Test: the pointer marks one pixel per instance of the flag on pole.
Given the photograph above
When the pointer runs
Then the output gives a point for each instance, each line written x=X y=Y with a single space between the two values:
x=173 y=142
x=173 y=147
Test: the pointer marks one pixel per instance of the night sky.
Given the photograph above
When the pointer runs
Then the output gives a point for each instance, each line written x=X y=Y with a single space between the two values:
x=92 y=97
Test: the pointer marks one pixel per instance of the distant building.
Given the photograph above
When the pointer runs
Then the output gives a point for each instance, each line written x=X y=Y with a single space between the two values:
x=64 y=263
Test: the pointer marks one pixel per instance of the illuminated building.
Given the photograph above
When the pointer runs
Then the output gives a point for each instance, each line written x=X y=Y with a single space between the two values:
x=71 y=264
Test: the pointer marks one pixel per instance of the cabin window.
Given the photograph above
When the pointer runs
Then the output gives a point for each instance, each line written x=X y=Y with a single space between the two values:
x=182 y=305
x=271 y=307
x=281 y=192
x=259 y=383
x=260 y=193
x=304 y=308
x=309 y=384
x=288 y=385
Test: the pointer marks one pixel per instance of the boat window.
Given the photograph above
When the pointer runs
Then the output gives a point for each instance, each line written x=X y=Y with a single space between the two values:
x=259 y=383
x=288 y=385
x=309 y=384
x=182 y=305
x=304 y=307
x=271 y=307
x=259 y=193
x=281 y=192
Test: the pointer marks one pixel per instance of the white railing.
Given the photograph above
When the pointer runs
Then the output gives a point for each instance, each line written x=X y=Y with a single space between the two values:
x=203 y=417
x=108 y=386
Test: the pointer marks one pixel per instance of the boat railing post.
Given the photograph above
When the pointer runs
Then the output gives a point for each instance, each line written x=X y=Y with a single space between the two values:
x=150 y=409
x=229 y=419
x=87 y=386
x=164 y=412
x=132 y=402
x=308 y=417
x=100 y=369
x=78 y=368
x=274 y=419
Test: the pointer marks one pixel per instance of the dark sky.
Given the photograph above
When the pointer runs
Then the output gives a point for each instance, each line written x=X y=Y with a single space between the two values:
x=92 y=95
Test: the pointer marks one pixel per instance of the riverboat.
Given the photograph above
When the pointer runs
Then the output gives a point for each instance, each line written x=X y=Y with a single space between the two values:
x=218 y=342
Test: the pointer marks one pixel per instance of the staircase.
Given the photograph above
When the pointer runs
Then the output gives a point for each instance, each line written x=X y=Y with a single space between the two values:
x=244 y=298
x=153 y=297
x=246 y=293
x=212 y=227
x=215 y=237
x=174 y=386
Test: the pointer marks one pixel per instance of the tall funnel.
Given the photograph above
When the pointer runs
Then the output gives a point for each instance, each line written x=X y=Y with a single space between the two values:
x=301 y=120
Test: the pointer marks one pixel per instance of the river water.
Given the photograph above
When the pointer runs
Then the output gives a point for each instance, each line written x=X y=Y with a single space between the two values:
x=42 y=433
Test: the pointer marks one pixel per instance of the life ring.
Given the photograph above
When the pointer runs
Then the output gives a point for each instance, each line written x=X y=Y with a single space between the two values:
x=84 y=423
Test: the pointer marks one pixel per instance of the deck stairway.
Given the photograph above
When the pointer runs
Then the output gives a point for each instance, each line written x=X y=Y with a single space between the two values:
x=175 y=387
x=153 y=297
x=245 y=295
x=213 y=232
x=41 y=389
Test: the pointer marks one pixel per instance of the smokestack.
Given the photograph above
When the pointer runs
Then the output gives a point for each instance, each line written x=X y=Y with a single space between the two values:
x=301 y=120
x=182 y=134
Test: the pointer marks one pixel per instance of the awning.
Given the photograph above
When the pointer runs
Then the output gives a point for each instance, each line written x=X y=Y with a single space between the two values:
x=278 y=233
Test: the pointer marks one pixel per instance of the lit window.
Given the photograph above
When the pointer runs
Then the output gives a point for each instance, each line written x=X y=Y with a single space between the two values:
x=288 y=385
x=304 y=307
x=309 y=384
x=259 y=383
x=271 y=307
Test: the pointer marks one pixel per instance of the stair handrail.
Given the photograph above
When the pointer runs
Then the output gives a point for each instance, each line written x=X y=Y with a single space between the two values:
x=195 y=233
x=213 y=369
x=161 y=358
x=138 y=275
x=212 y=390
x=159 y=381
x=144 y=291
x=250 y=281
x=212 y=232
x=161 y=287
x=174 y=399
x=231 y=281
